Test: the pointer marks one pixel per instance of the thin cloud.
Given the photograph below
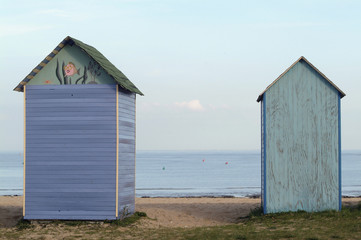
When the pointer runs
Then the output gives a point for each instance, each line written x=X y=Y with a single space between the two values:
x=193 y=105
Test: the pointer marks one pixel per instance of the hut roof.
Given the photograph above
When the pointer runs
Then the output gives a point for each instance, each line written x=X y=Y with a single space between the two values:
x=302 y=58
x=114 y=72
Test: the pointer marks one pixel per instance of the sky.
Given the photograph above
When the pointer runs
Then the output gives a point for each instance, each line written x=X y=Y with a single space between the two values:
x=200 y=64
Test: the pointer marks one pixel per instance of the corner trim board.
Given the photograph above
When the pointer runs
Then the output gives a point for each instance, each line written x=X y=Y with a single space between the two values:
x=117 y=151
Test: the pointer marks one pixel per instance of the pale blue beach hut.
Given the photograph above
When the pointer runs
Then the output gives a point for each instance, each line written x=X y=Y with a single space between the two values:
x=301 y=141
x=79 y=136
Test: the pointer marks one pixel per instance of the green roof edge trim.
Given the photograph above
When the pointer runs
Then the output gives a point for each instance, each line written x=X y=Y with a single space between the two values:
x=112 y=70
x=92 y=52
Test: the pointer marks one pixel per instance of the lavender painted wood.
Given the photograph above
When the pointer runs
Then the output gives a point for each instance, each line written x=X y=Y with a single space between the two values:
x=302 y=143
x=79 y=159
x=74 y=88
x=71 y=217
x=70 y=142
x=65 y=126
x=73 y=109
x=65 y=180
x=76 y=213
x=62 y=132
x=126 y=168
x=74 y=113
x=68 y=195
x=83 y=140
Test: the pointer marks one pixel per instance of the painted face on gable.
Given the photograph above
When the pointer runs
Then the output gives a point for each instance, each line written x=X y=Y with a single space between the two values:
x=70 y=69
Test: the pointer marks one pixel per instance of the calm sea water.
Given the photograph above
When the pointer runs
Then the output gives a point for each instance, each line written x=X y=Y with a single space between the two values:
x=191 y=173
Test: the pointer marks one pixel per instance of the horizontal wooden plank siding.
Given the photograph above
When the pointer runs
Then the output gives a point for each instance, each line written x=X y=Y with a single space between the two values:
x=302 y=143
x=126 y=178
x=71 y=148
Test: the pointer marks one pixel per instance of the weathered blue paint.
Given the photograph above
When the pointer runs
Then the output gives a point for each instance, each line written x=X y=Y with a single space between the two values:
x=339 y=153
x=264 y=157
x=301 y=131
x=71 y=152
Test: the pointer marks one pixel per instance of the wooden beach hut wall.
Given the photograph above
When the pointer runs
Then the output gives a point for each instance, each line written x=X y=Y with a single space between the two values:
x=301 y=141
x=79 y=150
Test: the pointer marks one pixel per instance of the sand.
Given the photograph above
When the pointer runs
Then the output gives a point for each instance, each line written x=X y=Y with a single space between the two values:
x=194 y=212
x=168 y=212
x=11 y=210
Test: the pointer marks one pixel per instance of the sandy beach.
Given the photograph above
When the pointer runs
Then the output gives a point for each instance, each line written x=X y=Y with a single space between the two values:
x=194 y=212
x=168 y=212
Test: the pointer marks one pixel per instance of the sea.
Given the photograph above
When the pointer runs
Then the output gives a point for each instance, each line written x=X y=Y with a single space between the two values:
x=191 y=173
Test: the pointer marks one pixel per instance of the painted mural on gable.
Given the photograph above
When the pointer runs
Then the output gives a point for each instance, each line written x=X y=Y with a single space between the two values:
x=72 y=66
x=69 y=74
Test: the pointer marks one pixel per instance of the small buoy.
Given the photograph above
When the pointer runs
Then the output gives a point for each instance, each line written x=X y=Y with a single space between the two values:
x=203 y=160
x=163 y=168
x=226 y=163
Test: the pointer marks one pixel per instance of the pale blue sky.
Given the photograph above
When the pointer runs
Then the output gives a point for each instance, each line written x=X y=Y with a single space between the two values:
x=200 y=64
